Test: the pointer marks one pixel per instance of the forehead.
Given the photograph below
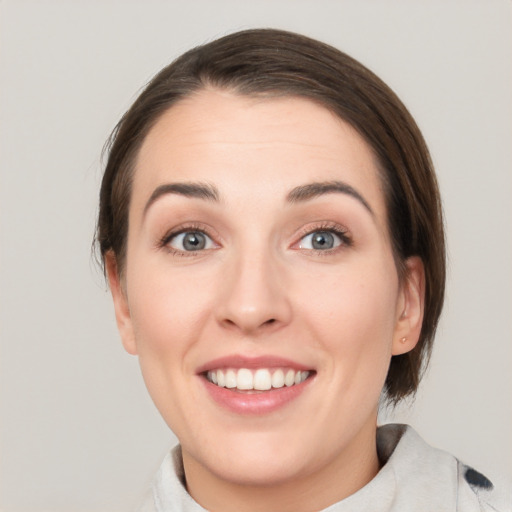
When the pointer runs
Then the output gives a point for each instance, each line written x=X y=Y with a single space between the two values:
x=248 y=144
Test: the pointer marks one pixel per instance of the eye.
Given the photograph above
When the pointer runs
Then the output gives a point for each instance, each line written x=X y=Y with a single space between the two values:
x=321 y=240
x=189 y=241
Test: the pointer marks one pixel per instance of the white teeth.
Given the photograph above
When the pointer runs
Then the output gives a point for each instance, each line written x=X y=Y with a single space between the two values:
x=244 y=379
x=278 y=379
x=289 y=379
x=221 y=381
x=231 y=380
x=261 y=379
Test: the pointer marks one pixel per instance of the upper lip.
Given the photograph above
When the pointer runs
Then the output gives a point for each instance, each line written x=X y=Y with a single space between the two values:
x=240 y=361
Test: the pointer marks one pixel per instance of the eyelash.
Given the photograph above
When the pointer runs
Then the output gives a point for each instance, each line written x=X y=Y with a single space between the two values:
x=330 y=227
x=164 y=242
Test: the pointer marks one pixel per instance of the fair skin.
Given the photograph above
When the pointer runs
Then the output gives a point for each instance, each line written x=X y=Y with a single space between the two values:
x=269 y=277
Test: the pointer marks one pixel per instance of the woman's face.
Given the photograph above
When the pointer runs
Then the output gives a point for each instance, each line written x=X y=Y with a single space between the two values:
x=259 y=256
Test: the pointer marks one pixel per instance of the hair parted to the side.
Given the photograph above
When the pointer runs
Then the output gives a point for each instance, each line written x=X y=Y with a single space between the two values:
x=268 y=62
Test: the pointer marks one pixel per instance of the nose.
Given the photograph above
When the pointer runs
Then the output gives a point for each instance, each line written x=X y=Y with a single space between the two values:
x=254 y=295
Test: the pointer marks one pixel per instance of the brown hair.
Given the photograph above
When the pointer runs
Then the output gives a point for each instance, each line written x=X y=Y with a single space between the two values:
x=277 y=63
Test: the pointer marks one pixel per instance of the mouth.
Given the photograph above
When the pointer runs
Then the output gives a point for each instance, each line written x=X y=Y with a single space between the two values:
x=256 y=380
x=255 y=386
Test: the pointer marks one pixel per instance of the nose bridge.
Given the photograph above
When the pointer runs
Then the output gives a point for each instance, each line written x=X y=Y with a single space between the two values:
x=254 y=290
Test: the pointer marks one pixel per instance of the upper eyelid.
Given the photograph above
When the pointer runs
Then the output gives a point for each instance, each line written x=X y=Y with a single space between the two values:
x=334 y=227
x=323 y=226
x=172 y=233
x=165 y=243
x=192 y=227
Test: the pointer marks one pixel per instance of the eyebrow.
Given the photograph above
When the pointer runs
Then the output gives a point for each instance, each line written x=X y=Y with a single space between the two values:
x=206 y=191
x=316 y=189
x=197 y=190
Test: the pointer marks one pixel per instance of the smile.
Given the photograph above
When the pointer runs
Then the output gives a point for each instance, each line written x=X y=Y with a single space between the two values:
x=261 y=379
x=255 y=385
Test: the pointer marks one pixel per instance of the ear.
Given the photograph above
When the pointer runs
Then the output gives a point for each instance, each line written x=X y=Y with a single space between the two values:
x=410 y=307
x=121 y=308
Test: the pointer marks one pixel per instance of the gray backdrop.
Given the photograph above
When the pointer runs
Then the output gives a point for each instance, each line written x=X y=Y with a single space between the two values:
x=78 y=431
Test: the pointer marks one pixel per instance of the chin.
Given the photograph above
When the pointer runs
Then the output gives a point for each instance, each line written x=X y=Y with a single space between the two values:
x=257 y=459
x=256 y=469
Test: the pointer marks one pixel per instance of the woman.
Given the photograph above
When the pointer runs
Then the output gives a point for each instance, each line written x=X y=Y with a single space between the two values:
x=272 y=233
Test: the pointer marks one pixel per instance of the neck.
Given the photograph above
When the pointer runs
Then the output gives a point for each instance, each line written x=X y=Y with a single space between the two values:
x=344 y=475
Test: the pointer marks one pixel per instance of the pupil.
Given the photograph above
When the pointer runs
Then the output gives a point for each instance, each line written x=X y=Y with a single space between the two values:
x=323 y=240
x=194 y=241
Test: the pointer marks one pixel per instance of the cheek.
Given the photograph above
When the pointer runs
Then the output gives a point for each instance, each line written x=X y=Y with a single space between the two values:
x=167 y=308
x=353 y=316
x=168 y=314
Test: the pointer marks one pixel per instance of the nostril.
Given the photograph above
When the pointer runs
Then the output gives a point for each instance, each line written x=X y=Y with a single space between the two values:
x=249 y=324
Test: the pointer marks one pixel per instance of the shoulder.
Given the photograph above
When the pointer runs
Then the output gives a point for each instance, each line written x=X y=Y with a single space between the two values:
x=425 y=474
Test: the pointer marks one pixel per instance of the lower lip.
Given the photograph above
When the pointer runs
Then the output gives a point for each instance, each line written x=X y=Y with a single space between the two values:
x=262 y=402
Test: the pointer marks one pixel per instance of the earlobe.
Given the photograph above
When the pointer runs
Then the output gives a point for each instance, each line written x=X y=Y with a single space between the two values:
x=121 y=307
x=410 y=307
